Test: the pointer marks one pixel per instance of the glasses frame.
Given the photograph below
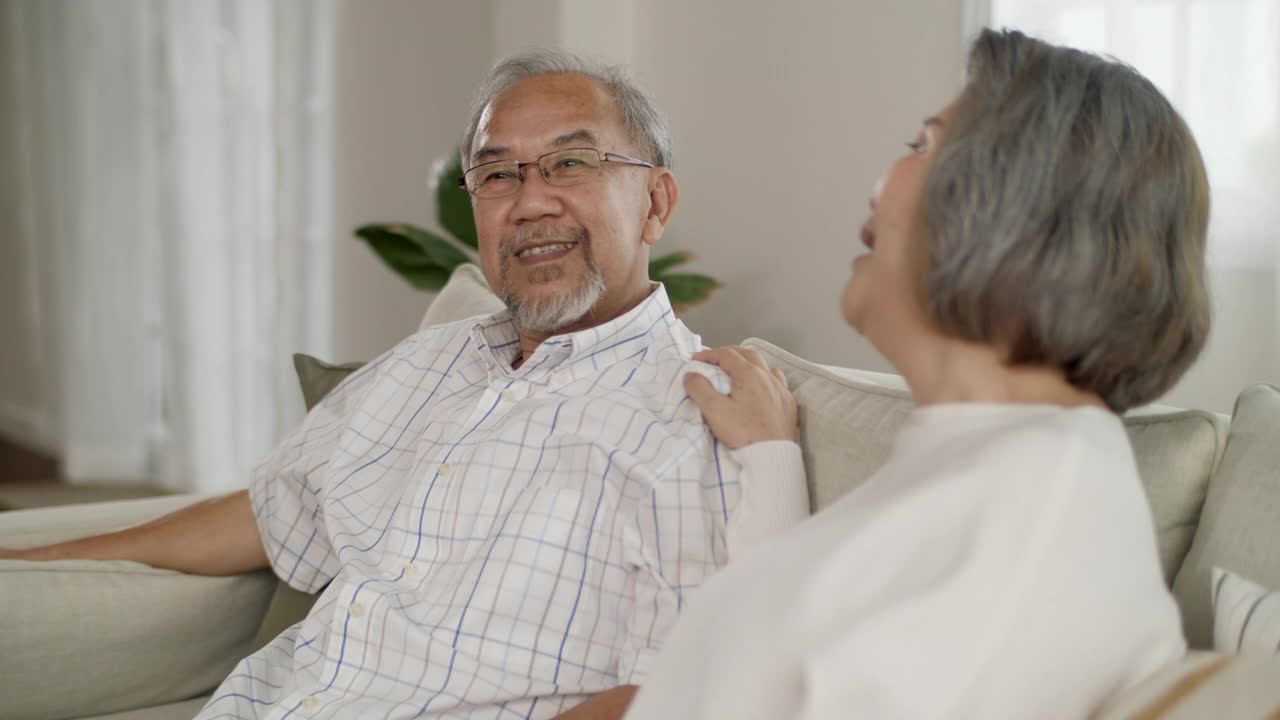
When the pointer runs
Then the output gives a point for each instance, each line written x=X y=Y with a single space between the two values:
x=520 y=166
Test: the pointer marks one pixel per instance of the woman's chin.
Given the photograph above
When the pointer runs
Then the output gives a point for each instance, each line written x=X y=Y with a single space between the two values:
x=853 y=304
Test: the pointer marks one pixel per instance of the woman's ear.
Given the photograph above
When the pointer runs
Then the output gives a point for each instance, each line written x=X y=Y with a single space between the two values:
x=664 y=194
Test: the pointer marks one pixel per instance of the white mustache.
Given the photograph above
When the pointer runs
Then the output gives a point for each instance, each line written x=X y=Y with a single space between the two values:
x=525 y=235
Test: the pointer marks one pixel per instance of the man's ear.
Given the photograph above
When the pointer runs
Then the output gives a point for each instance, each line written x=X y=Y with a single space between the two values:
x=664 y=194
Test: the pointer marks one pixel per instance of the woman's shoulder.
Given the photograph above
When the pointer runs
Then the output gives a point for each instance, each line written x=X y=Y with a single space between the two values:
x=1028 y=460
x=1054 y=440
x=1077 y=467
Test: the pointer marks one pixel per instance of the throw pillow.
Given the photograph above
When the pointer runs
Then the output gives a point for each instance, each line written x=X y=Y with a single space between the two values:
x=318 y=378
x=1238 y=527
x=1246 y=616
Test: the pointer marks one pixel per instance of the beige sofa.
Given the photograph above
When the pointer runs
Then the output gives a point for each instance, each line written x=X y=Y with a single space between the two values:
x=82 y=639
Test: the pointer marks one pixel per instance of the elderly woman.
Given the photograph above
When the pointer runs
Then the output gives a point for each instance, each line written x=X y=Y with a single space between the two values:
x=1035 y=268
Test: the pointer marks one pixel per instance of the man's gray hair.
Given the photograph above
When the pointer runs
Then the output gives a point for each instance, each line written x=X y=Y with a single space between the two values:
x=1065 y=217
x=640 y=117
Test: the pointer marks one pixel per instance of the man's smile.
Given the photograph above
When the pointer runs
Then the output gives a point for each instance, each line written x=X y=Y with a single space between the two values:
x=544 y=252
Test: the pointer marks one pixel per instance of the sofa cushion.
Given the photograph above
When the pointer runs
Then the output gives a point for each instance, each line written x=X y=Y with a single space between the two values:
x=130 y=635
x=1202 y=685
x=1240 y=525
x=1246 y=616
x=847 y=427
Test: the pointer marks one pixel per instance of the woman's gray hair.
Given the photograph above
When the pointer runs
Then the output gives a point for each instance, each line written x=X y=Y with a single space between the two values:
x=1065 y=216
x=640 y=117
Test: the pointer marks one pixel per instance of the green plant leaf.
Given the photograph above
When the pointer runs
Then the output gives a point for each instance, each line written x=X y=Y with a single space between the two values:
x=687 y=289
x=657 y=266
x=453 y=203
x=443 y=252
x=422 y=258
x=428 y=278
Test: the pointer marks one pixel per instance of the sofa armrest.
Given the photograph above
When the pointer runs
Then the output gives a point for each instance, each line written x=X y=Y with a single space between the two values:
x=85 y=637
x=42 y=526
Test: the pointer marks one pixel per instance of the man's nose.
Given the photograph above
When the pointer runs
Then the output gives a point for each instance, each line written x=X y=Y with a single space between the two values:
x=535 y=198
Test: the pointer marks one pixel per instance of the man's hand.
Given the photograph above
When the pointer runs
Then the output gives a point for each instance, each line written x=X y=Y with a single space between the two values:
x=213 y=537
x=608 y=705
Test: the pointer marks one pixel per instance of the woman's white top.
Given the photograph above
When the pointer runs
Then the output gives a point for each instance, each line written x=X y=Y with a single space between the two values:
x=1002 y=564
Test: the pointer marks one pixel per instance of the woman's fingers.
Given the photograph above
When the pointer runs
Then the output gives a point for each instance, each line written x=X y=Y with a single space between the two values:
x=735 y=360
x=758 y=407
x=752 y=356
x=703 y=394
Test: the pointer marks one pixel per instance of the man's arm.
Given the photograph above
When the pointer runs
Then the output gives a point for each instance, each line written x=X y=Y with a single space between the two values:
x=608 y=705
x=213 y=537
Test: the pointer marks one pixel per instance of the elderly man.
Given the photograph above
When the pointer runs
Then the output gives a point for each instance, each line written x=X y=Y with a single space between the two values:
x=506 y=513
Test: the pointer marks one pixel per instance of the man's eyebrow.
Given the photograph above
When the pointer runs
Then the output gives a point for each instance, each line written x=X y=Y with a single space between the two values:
x=487 y=153
x=581 y=135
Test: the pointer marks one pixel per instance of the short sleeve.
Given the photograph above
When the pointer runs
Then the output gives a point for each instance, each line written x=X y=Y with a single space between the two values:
x=288 y=487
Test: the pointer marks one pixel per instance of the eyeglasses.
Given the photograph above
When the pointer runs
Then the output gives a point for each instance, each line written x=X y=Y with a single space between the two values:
x=561 y=168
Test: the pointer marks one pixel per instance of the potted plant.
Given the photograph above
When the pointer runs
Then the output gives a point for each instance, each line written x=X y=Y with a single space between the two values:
x=426 y=259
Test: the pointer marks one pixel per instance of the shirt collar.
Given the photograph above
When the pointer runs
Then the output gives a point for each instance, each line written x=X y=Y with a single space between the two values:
x=496 y=340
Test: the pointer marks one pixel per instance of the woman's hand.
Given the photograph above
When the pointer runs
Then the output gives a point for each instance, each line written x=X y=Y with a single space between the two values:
x=758 y=408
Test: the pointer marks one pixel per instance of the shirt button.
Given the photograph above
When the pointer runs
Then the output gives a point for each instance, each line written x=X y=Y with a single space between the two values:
x=412 y=570
x=310 y=703
x=357 y=610
x=511 y=396
x=444 y=470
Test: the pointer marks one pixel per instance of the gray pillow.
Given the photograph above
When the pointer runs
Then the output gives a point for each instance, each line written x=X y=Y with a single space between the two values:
x=318 y=378
x=1240 y=525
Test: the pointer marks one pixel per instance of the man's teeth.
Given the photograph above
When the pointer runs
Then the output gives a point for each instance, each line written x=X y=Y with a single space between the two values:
x=544 y=249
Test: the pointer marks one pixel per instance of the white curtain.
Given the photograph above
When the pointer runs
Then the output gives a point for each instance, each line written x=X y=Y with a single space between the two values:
x=1218 y=61
x=175 y=171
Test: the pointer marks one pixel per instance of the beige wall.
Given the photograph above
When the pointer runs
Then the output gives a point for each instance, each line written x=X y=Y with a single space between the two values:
x=784 y=116
x=405 y=74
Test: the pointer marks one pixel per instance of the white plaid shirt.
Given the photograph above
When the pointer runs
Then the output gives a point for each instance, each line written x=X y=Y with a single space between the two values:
x=496 y=543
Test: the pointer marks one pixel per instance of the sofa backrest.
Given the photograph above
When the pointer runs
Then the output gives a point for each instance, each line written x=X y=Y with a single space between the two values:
x=847 y=427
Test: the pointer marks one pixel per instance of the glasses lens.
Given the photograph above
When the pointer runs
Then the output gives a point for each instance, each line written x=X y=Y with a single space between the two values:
x=493 y=179
x=570 y=166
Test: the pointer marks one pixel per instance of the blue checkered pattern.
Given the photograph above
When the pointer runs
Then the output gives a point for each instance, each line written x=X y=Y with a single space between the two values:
x=496 y=543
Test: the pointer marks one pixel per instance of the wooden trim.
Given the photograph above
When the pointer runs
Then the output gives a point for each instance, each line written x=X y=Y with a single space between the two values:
x=1182 y=689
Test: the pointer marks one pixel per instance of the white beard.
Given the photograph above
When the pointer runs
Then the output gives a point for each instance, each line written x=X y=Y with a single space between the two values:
x=550 y=314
